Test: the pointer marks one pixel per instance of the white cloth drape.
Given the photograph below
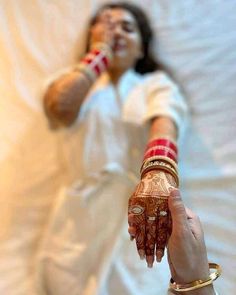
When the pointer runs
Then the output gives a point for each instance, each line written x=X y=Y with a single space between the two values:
x=195 y=40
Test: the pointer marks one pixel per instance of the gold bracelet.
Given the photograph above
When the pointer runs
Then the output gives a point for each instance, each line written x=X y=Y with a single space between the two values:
x=164 y=168
x=157 y=162
x=199 y=283
x=161 y=158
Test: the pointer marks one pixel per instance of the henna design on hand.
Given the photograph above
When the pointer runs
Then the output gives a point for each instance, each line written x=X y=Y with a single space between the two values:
x=150 y=215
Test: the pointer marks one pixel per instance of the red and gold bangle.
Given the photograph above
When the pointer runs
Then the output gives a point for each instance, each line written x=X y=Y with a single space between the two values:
x=159 y=152
x=164 y=142
x=161 y=147
x=96 y=61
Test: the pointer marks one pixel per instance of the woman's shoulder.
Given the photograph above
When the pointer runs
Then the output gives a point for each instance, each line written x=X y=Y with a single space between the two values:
x=160 y=77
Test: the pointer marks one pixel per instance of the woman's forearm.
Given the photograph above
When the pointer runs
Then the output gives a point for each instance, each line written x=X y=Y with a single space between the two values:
x=64 y=97
x=163 y=127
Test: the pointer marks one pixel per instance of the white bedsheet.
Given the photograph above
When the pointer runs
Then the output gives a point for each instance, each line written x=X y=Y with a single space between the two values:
x=195 y=39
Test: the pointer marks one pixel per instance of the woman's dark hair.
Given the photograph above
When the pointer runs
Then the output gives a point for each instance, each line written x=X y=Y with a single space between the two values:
x=147 y=63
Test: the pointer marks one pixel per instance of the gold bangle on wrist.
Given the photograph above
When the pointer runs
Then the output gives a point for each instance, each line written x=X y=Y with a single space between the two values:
x=88 y=73
x=157 y=165
x=199 y=283
x=159 y=158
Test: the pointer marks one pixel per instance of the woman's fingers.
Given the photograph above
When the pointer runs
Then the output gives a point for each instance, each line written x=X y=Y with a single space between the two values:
x=131 y=228
x=136 y=219
x=162 y=229
x=151 y=228
x=150 y=225
x=149 y=220
x=150 y=241
x=140 y=236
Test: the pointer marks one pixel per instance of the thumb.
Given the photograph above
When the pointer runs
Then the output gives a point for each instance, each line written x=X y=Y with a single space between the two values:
x=177 y=209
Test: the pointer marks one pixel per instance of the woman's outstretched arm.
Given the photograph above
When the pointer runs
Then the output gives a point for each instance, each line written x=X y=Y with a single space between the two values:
x=149 y=218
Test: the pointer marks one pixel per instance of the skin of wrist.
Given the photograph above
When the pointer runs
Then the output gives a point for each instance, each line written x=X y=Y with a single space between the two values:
x=208 y=290
x=199 y=274
x=196 y=275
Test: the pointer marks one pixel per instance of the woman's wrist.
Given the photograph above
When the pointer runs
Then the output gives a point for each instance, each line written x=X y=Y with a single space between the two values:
x=183 y=277
x=208 y=290
x=102 y=46
x=161 y=155
x=95 y=62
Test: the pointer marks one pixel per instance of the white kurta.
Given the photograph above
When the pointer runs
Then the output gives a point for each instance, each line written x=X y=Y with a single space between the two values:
x=196 y=40
x=106 y=145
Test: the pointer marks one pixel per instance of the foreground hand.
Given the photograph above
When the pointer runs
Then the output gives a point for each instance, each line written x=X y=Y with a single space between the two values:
x=148 y=215
x=187 y=255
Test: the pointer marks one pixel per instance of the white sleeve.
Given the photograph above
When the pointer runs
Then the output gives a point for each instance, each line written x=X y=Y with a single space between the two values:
x=156 y=95
x=164 y=99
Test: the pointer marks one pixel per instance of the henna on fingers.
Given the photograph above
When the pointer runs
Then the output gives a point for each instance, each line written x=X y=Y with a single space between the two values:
x=163 y=228
x=137 y=222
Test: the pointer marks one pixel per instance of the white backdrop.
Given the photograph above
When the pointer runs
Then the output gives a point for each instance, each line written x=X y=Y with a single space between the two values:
x=195 y=40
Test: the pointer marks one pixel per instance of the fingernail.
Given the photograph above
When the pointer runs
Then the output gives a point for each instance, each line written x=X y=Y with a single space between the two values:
x=150 y=260
x=159 y=256
x=158 y=259
x=141 y=254
x=175 y=193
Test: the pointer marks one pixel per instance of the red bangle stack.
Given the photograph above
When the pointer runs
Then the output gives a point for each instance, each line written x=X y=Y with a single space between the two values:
x=161 y=154
x=163 y=142
x=95 y=62
x=161 y=151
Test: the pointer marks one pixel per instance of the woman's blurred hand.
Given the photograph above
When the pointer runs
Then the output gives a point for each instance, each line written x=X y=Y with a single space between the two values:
x=103 y=30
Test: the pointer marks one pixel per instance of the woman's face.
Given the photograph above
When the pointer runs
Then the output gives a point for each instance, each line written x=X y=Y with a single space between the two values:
x=118 y=28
